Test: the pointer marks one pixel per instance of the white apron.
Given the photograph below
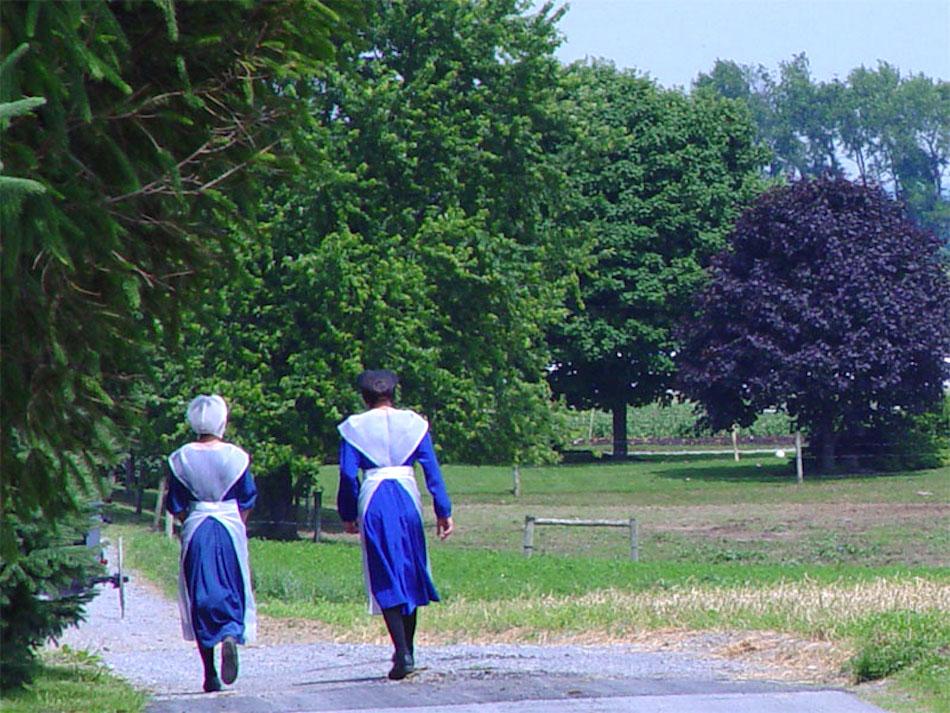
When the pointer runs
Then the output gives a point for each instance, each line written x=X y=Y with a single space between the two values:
x=406 y=477
x=209 y=472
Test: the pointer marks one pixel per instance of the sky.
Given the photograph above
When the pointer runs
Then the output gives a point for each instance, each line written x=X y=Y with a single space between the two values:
x=674 y=40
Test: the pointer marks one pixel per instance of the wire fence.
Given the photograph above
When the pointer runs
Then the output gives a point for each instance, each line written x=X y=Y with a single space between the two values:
x=302 y=512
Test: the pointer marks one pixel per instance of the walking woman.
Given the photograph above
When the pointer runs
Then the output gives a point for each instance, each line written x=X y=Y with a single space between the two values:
x=386 y=509
x=211 y=493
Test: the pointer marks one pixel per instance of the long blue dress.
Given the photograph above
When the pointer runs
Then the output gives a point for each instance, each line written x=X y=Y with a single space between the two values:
x=211 y=568
x=395 y=556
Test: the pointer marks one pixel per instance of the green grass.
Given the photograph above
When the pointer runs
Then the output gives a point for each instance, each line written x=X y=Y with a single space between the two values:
x=710 y=511
x=324 y=582
x=685 y=481
x=912 y=647
x=71 y=681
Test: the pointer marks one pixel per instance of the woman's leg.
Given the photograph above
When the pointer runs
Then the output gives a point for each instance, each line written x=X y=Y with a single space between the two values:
x=409 y=624
x=212 y=682
x=402 y=657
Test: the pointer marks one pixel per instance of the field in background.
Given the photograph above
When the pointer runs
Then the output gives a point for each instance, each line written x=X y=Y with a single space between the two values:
x=660 y=422
x=711 y=510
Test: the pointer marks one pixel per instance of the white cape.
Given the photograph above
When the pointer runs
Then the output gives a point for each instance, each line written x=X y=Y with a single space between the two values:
x=386 y=436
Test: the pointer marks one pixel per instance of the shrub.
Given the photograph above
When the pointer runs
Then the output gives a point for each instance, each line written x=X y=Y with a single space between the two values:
x=902 y=442
x=893 y=641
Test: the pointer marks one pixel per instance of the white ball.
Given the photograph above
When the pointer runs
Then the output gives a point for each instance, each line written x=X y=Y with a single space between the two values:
x=780 y=453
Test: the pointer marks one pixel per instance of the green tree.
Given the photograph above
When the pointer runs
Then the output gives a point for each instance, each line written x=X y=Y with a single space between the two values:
x=424 y=239
x=661 y=176
x=893 y=128
x=755 y=88
x=805 y=111
x=152 y=113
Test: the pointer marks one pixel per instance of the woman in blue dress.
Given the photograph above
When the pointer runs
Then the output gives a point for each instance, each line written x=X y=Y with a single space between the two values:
x=211 y=493
x=386 y=509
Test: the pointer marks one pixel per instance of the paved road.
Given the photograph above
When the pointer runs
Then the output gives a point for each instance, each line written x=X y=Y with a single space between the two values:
x=146 y=648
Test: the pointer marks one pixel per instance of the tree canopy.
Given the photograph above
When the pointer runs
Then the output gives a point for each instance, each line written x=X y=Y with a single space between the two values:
x=878 y=125
x=659 y=177
x=423 y=239
x=828 y=303
x=151 y=112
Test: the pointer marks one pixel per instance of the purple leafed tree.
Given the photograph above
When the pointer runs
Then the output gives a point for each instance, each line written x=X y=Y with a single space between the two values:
x=828 y=303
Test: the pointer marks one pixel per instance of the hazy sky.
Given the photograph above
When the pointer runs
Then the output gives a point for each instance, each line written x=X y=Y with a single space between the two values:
x=674 y=40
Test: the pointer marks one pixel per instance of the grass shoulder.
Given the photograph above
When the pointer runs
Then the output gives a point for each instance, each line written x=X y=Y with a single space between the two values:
x=70 y=681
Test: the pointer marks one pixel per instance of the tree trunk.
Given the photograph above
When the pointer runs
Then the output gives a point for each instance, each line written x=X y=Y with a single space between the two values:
x=619 y=412
x=829 y=440
x=274 y=511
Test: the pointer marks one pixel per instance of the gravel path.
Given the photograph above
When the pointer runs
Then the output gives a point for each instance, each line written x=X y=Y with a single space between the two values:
x=146 y=648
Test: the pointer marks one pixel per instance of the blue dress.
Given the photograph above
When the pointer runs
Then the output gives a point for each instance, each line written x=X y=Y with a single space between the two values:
x=211 y=567
x=395 y=555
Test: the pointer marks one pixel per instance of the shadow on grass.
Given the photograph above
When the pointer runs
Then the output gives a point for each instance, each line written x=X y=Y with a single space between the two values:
x=759 y=471
x=121 y=513
x=330 y=523
x=730 y=473
x=685 y=468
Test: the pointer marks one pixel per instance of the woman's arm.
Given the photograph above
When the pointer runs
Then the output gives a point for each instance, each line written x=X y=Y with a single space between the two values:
x=179 y=499
x=425 y=454
x=349 y=490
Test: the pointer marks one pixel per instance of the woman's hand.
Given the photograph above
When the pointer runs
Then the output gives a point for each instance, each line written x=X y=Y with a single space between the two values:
x=351 y=527
x=444 y=527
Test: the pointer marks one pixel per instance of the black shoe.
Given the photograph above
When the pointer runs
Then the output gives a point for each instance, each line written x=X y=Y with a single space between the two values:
x=229 y=660
x=212 y=684
x=403 y=665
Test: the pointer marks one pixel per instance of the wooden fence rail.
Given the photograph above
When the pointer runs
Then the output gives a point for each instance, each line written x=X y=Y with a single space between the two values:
x=530 y=521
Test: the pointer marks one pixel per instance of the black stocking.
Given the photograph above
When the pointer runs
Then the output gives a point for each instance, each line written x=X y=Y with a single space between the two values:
x=207 y=658
x=409 y=624
x=397 y=629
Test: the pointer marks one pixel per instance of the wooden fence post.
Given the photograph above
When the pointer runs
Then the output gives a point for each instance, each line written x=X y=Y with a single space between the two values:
x=160 y=502
x=634 y=541
x=799 y=471
x=528 y=540
x=530 y=521
x=516 y=481
x=735 y=441
x=133 y=477
x=317 y=504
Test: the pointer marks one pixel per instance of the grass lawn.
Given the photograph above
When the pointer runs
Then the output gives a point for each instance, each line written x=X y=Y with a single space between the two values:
x=852 y=570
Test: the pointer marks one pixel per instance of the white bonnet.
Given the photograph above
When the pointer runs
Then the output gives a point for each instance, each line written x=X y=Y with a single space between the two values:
x=208 y=414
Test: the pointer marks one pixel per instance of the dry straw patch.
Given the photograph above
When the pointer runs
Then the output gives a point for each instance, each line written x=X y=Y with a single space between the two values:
x=804 y=606
x=791 y=630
